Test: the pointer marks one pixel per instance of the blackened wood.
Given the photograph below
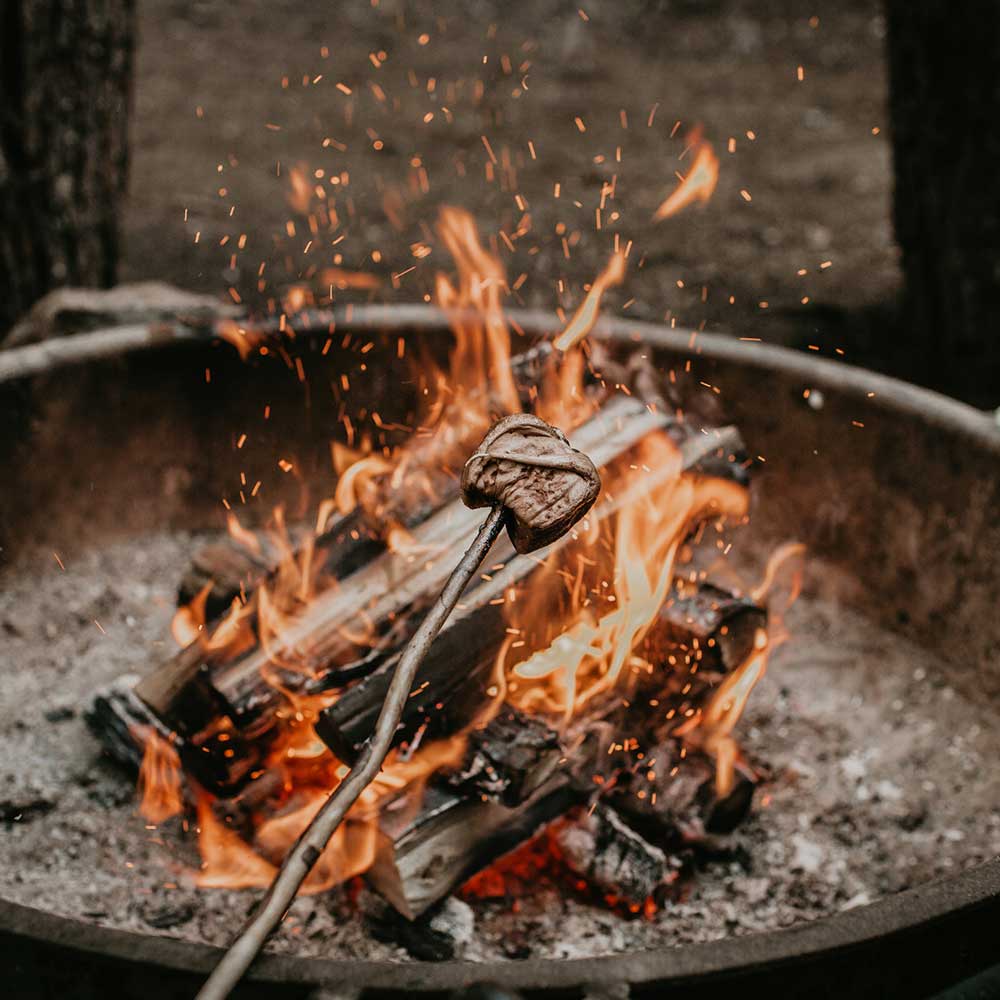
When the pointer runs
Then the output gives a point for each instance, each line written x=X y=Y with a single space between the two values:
x=424 y=853
x=454 y=680
x=671 y=800
x=613 y=858
x=228 y=568
x=508 y=759
x=219 y=759
x=705 y=627
x=120 y=722
x=65 y=89
x=417 y=937
x=944 y=104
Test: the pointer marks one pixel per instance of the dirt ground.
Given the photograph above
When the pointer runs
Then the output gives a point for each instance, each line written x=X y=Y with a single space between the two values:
x=798 y=233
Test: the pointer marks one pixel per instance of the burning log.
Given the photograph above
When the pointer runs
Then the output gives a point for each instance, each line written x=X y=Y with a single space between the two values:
x=192 y=690
x=613 y=858
x=624 y=846
x=423 y=853
x=710 y=630
x=671 y=797
x=509 y=759
x=121 y=721
x=228 y=569
x=707 y=626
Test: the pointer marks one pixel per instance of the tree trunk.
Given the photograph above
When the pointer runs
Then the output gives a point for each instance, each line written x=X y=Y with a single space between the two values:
x=65 y=86
x=944 y=72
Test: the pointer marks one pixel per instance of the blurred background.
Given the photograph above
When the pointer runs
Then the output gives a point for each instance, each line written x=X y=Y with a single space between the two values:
x=270 y=148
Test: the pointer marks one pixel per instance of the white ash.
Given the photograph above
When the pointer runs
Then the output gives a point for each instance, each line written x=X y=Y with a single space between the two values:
x=879 y=783
x=457 y=920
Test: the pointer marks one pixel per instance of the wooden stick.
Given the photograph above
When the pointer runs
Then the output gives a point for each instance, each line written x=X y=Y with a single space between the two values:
x=308 y=848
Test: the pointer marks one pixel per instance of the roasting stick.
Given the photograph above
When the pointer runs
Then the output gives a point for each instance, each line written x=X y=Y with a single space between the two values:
x=536 y=485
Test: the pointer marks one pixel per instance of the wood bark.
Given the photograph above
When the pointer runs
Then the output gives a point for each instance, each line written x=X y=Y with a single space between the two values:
x=509 y=759
x=65 y=88
x=944 y=90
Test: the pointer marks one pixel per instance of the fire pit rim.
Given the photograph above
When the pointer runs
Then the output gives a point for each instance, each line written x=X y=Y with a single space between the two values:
x=926 y=907
x=815 y=371
x=922 y=907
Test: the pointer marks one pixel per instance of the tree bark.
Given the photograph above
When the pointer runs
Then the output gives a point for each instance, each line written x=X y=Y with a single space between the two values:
x=944 y=82
x=65 y=88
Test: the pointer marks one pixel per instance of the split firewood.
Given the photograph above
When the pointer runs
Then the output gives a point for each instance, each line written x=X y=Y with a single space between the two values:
x=424 y=853
x=710 y=631
x=537 y=486
x=190 y=690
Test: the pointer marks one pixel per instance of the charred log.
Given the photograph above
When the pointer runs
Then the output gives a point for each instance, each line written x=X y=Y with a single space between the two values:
x=454 y=681
x=509 y=759
x=670 y=797
x=120 y=721
x=705 y=627
x=424 y=854
x=228 y=568
x=613 y=858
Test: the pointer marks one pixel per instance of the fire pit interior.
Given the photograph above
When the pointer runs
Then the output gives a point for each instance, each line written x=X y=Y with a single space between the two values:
x=860 y=766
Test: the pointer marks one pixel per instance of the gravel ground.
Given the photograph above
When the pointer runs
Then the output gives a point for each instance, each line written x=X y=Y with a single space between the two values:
x=881 y=780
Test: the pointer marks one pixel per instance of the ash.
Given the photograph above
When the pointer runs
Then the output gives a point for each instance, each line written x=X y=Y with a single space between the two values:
x=881 y=778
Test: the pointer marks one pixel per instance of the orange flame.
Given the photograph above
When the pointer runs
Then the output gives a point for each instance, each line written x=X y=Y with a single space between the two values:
x=586 y=315
x=699 y=184
x=227 y=861
x=243 y=340
x=584 y=612
x=480 y=361
x=159 y=778
x=590 y=656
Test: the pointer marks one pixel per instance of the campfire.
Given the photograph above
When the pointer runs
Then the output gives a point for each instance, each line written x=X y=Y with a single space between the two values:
x=576 y=716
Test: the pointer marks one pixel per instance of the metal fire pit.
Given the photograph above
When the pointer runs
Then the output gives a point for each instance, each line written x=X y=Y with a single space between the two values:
x=914 y=528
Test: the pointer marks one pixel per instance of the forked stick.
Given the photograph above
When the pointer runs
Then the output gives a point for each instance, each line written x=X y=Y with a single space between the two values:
x=539 y=487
